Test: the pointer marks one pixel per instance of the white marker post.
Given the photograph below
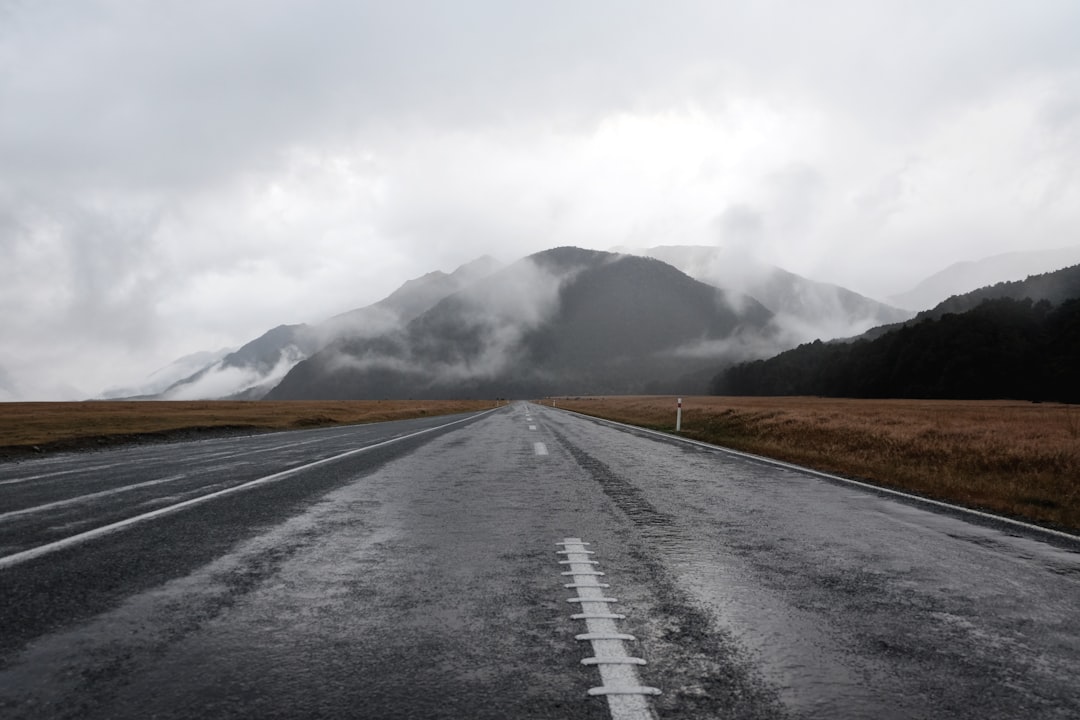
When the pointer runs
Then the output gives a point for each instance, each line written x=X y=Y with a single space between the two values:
x=678 y=417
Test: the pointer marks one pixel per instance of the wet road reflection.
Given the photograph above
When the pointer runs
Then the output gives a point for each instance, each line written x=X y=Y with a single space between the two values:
x=419 y=581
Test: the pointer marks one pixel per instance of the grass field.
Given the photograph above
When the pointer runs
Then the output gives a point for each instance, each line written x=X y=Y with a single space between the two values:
x=24 y=426
x=1016 y=458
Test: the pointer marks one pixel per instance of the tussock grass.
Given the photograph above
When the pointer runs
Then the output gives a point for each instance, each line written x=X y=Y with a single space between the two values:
x=1016 y=458
x=45 y=425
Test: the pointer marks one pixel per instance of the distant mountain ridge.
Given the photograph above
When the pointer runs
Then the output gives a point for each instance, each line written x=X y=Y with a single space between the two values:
x=804 y=309
x=412 y=298
x=428 y=329
x=800 y=309
x=1054 y=287
x=163 y=378
x=1017 y=340
x=565 y=320
x=964 y=277
x=258 y=366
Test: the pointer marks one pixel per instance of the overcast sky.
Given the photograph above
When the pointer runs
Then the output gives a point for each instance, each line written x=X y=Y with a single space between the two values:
x=183 y=175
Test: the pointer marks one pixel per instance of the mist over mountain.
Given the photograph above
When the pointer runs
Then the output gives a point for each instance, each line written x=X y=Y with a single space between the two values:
x=565 y=320
x=408 y=301
x=1053 y=287
x=964 y=277
x=250 y=372
x=164 y=378
x=1017 y=340
x=16 y=388
x=803 y=309
x=663 y=319
x=255 y=368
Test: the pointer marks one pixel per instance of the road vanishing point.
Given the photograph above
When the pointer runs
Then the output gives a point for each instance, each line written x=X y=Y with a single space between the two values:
x=525 y=562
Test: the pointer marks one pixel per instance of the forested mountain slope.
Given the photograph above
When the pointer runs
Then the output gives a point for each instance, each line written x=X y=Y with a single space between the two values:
x=997 y=346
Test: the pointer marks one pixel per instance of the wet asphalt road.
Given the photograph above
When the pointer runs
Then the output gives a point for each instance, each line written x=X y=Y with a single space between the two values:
x=419 y=579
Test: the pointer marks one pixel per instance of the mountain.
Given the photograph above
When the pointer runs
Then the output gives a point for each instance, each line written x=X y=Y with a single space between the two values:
x=1018 y=340
x=253 y=370
x=248 y=373
x=566 y=321
x=411 y=299
x=163 y=378
x=964 y=277
x=797 y=310
x=803 y=309
x=1054 y=287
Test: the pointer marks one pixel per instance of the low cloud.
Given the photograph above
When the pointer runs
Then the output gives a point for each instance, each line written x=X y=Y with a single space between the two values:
x=739 y=348
x=482 y=326
x=221 y=381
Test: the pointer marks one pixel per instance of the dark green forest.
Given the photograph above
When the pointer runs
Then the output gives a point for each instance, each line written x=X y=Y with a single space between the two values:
x=1002 y=348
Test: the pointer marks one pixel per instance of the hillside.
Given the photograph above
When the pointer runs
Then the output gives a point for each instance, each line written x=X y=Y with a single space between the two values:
x=964 y=277
x=803 y=309
x=254 y=369
x=1013 y=340
x=565 y=320
x=799 y=309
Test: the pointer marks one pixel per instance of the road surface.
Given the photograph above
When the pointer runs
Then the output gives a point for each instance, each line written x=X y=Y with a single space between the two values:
x=416 y=570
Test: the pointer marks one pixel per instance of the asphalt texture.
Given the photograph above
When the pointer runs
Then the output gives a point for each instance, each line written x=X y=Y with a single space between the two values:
x=419 y=579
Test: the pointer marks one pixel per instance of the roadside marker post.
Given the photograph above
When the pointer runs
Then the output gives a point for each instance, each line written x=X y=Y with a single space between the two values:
x=678 y=417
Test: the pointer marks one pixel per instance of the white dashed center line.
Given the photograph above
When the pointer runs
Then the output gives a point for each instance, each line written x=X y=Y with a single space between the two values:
x=532 y=427
x=627 y=697
x=540 y=448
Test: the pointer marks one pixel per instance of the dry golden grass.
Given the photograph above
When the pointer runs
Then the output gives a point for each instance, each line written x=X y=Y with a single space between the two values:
x=48 y=424
x=1017 y=458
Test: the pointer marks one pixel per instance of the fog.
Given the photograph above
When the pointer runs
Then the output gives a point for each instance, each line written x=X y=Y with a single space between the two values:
x=220 y=381
x=485 y=321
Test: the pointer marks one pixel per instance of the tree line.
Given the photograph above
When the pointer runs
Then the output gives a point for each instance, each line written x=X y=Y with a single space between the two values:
x=1003 y=348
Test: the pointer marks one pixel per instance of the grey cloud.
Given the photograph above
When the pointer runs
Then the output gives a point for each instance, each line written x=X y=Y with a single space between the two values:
x=89 y=269
x=740 y=228
x=180 y=92
x=175 y=94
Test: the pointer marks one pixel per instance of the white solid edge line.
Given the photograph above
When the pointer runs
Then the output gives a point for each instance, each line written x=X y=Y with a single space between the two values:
x=25 y=555
x=829 y=476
